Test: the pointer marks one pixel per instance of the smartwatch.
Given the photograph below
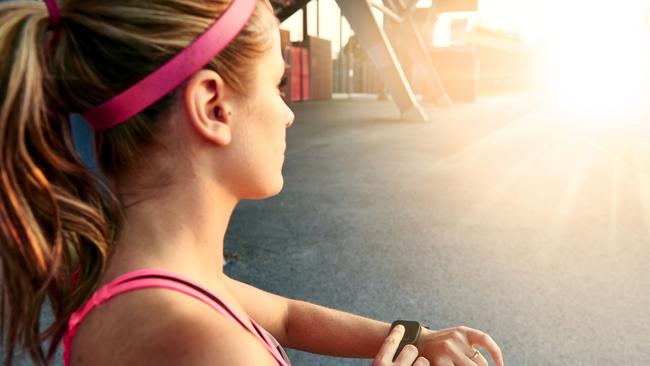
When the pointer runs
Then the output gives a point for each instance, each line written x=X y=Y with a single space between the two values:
x=411 y=334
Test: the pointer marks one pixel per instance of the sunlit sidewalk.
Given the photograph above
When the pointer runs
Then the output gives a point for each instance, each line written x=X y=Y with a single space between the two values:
x=508 y=215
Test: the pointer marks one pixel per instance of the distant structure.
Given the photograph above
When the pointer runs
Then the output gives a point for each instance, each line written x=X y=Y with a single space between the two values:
x=507 y=62
x=373 y=38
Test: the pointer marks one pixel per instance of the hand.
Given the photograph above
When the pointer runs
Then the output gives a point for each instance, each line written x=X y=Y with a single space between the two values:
x=455 y=346
x=407 y=357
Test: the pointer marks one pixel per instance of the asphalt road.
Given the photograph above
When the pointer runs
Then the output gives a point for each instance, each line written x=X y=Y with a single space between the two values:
x=511 y=215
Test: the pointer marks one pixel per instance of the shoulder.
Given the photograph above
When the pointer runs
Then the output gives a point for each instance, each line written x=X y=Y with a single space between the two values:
x=163 y=327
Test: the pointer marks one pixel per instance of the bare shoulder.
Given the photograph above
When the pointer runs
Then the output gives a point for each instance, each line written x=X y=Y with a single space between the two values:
x=163 y=327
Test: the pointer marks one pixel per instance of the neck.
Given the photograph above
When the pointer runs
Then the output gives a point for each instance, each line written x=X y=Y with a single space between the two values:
x=181 y=228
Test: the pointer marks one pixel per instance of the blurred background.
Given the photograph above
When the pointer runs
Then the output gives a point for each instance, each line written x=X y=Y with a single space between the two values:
x=585 y=51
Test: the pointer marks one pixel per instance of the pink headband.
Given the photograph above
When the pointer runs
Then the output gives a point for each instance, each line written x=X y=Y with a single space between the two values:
x=174 y=72
x=55 y=14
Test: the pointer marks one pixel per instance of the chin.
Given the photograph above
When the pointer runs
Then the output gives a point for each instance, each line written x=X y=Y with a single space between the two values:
x=271 y=189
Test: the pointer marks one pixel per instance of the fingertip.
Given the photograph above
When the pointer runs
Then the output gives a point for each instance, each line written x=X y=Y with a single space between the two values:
x=499 y=360
x=410 y=348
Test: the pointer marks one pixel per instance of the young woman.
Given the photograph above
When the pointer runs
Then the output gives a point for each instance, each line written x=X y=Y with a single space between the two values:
x=183 y=97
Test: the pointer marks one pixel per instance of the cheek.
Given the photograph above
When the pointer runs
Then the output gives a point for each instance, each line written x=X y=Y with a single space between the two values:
x=272 y=116
x=258 y=144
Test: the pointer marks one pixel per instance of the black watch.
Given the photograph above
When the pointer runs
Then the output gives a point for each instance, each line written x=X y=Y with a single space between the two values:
x=411 y=334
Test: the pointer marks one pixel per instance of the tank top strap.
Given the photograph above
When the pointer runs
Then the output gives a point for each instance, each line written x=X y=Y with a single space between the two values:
x=158 y=278
x=166 y=279
x=272 y=341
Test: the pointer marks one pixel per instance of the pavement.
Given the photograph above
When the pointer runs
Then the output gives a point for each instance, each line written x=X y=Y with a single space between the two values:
x=510 y=215
x=513 y=215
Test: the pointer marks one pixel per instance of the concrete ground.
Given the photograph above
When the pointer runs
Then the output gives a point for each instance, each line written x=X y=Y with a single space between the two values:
x=511 y=215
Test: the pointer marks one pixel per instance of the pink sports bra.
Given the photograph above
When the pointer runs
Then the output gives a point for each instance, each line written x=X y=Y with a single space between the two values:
x=157 y=278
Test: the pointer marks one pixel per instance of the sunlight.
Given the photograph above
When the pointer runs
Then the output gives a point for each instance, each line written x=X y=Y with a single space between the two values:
x=643 y=184
x=596 y=56
x=614 y=206
x=565 y=209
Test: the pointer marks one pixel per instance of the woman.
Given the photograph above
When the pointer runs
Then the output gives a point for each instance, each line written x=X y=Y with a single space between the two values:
x=183 y=96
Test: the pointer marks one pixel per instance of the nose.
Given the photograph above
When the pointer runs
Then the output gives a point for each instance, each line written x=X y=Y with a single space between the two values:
x=289 y=117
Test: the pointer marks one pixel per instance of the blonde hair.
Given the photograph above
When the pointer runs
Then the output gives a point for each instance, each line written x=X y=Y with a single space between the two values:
x=56 y=217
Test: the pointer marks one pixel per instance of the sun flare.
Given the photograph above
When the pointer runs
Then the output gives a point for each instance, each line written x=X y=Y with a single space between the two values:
x=596 y=57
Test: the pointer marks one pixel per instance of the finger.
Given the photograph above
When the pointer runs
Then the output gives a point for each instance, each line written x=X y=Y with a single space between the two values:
x=482 y=339
x=457 y=345
x=444 y=361
x=461 y=341
x=476 y=357
x=450 y=349
x=389 y=347
x=453 y=344
x=406 y=357
x=481 y=361
x=455 y=351
x=421 y=361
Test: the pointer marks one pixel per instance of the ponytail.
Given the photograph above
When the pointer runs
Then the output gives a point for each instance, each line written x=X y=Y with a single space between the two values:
x=53 y=217
x=56 y=216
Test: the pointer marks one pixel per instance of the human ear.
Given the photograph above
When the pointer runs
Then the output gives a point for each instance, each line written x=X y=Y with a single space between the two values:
x=208 y=107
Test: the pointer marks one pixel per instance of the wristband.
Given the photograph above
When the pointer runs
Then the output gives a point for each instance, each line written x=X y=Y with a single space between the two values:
x=412 y=331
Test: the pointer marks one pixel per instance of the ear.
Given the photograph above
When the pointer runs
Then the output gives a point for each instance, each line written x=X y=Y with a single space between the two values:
x=207 y=107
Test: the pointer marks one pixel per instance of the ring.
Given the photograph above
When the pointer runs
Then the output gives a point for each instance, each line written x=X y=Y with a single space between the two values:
x=475 y=355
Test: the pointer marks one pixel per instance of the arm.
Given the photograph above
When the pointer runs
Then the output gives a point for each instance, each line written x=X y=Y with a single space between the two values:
x=322 y=330
x=309 y=327
x=317 y=329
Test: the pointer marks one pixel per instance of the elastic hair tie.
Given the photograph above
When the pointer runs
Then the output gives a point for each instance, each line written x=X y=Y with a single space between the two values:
x=175 y=71
x=55 y=14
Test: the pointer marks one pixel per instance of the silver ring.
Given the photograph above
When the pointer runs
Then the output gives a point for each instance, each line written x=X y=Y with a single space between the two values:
x=475 y=355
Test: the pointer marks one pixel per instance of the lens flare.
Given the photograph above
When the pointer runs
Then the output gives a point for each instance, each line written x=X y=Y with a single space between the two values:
x=596 y=57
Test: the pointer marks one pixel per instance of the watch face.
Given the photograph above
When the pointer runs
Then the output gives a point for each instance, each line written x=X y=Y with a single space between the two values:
x=412 y=330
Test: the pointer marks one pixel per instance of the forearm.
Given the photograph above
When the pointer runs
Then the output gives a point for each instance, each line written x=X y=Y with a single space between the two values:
x=317 y=329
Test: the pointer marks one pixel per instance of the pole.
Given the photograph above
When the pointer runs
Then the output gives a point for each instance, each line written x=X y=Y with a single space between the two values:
x=341 y=79
x=317 y=18
x=304 y=25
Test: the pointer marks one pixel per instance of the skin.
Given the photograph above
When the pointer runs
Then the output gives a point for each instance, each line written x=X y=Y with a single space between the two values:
x=224 y=148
